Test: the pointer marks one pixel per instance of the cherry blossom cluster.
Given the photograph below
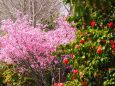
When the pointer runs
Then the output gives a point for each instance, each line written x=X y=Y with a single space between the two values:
x=24 y=42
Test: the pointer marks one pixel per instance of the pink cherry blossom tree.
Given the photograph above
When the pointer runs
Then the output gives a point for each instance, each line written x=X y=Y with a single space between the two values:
x=31 y=48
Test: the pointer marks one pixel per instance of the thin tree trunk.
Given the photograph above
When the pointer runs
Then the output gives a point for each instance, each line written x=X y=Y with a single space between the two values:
x=33 y=13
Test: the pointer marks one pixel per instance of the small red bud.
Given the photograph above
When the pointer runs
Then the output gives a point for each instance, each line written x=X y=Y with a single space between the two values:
x=99 y=50
x=72 y=56
x=75 y=71
x=93 y=23
x=65 y=61
x=82 y=41
x=110 y=24
x=113 y=46
x=111 y=42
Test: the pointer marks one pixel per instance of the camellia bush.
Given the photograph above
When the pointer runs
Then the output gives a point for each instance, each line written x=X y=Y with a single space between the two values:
x=30 y=49
x=90 y=59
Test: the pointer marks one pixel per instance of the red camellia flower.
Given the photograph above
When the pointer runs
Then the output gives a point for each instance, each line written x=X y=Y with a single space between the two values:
x=110 y=24
x=93 y=23
x=72 y=56
x=111 y=42
x=113 y=46
x=82 y=41
x=75 y=71
x=65 y=61
x=99 y=50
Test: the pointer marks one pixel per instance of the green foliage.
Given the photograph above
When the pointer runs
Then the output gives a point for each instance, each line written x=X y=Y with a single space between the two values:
x=82 y=9
x=92 y=67
x=73 y=83
x=93 y=50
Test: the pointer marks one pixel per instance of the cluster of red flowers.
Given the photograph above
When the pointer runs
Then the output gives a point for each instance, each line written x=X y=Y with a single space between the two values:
x=98 y=51
x=75 y=71
x=110 y=24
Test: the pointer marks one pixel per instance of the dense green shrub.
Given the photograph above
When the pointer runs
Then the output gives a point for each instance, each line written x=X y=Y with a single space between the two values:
x=91 y=58
x=93 y=55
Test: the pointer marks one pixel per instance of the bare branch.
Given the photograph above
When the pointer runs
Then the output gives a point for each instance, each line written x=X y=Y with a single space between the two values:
x=41 y=9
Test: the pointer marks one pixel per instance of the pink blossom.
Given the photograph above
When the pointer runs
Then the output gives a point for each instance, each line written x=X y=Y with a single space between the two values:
x=22 y=41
